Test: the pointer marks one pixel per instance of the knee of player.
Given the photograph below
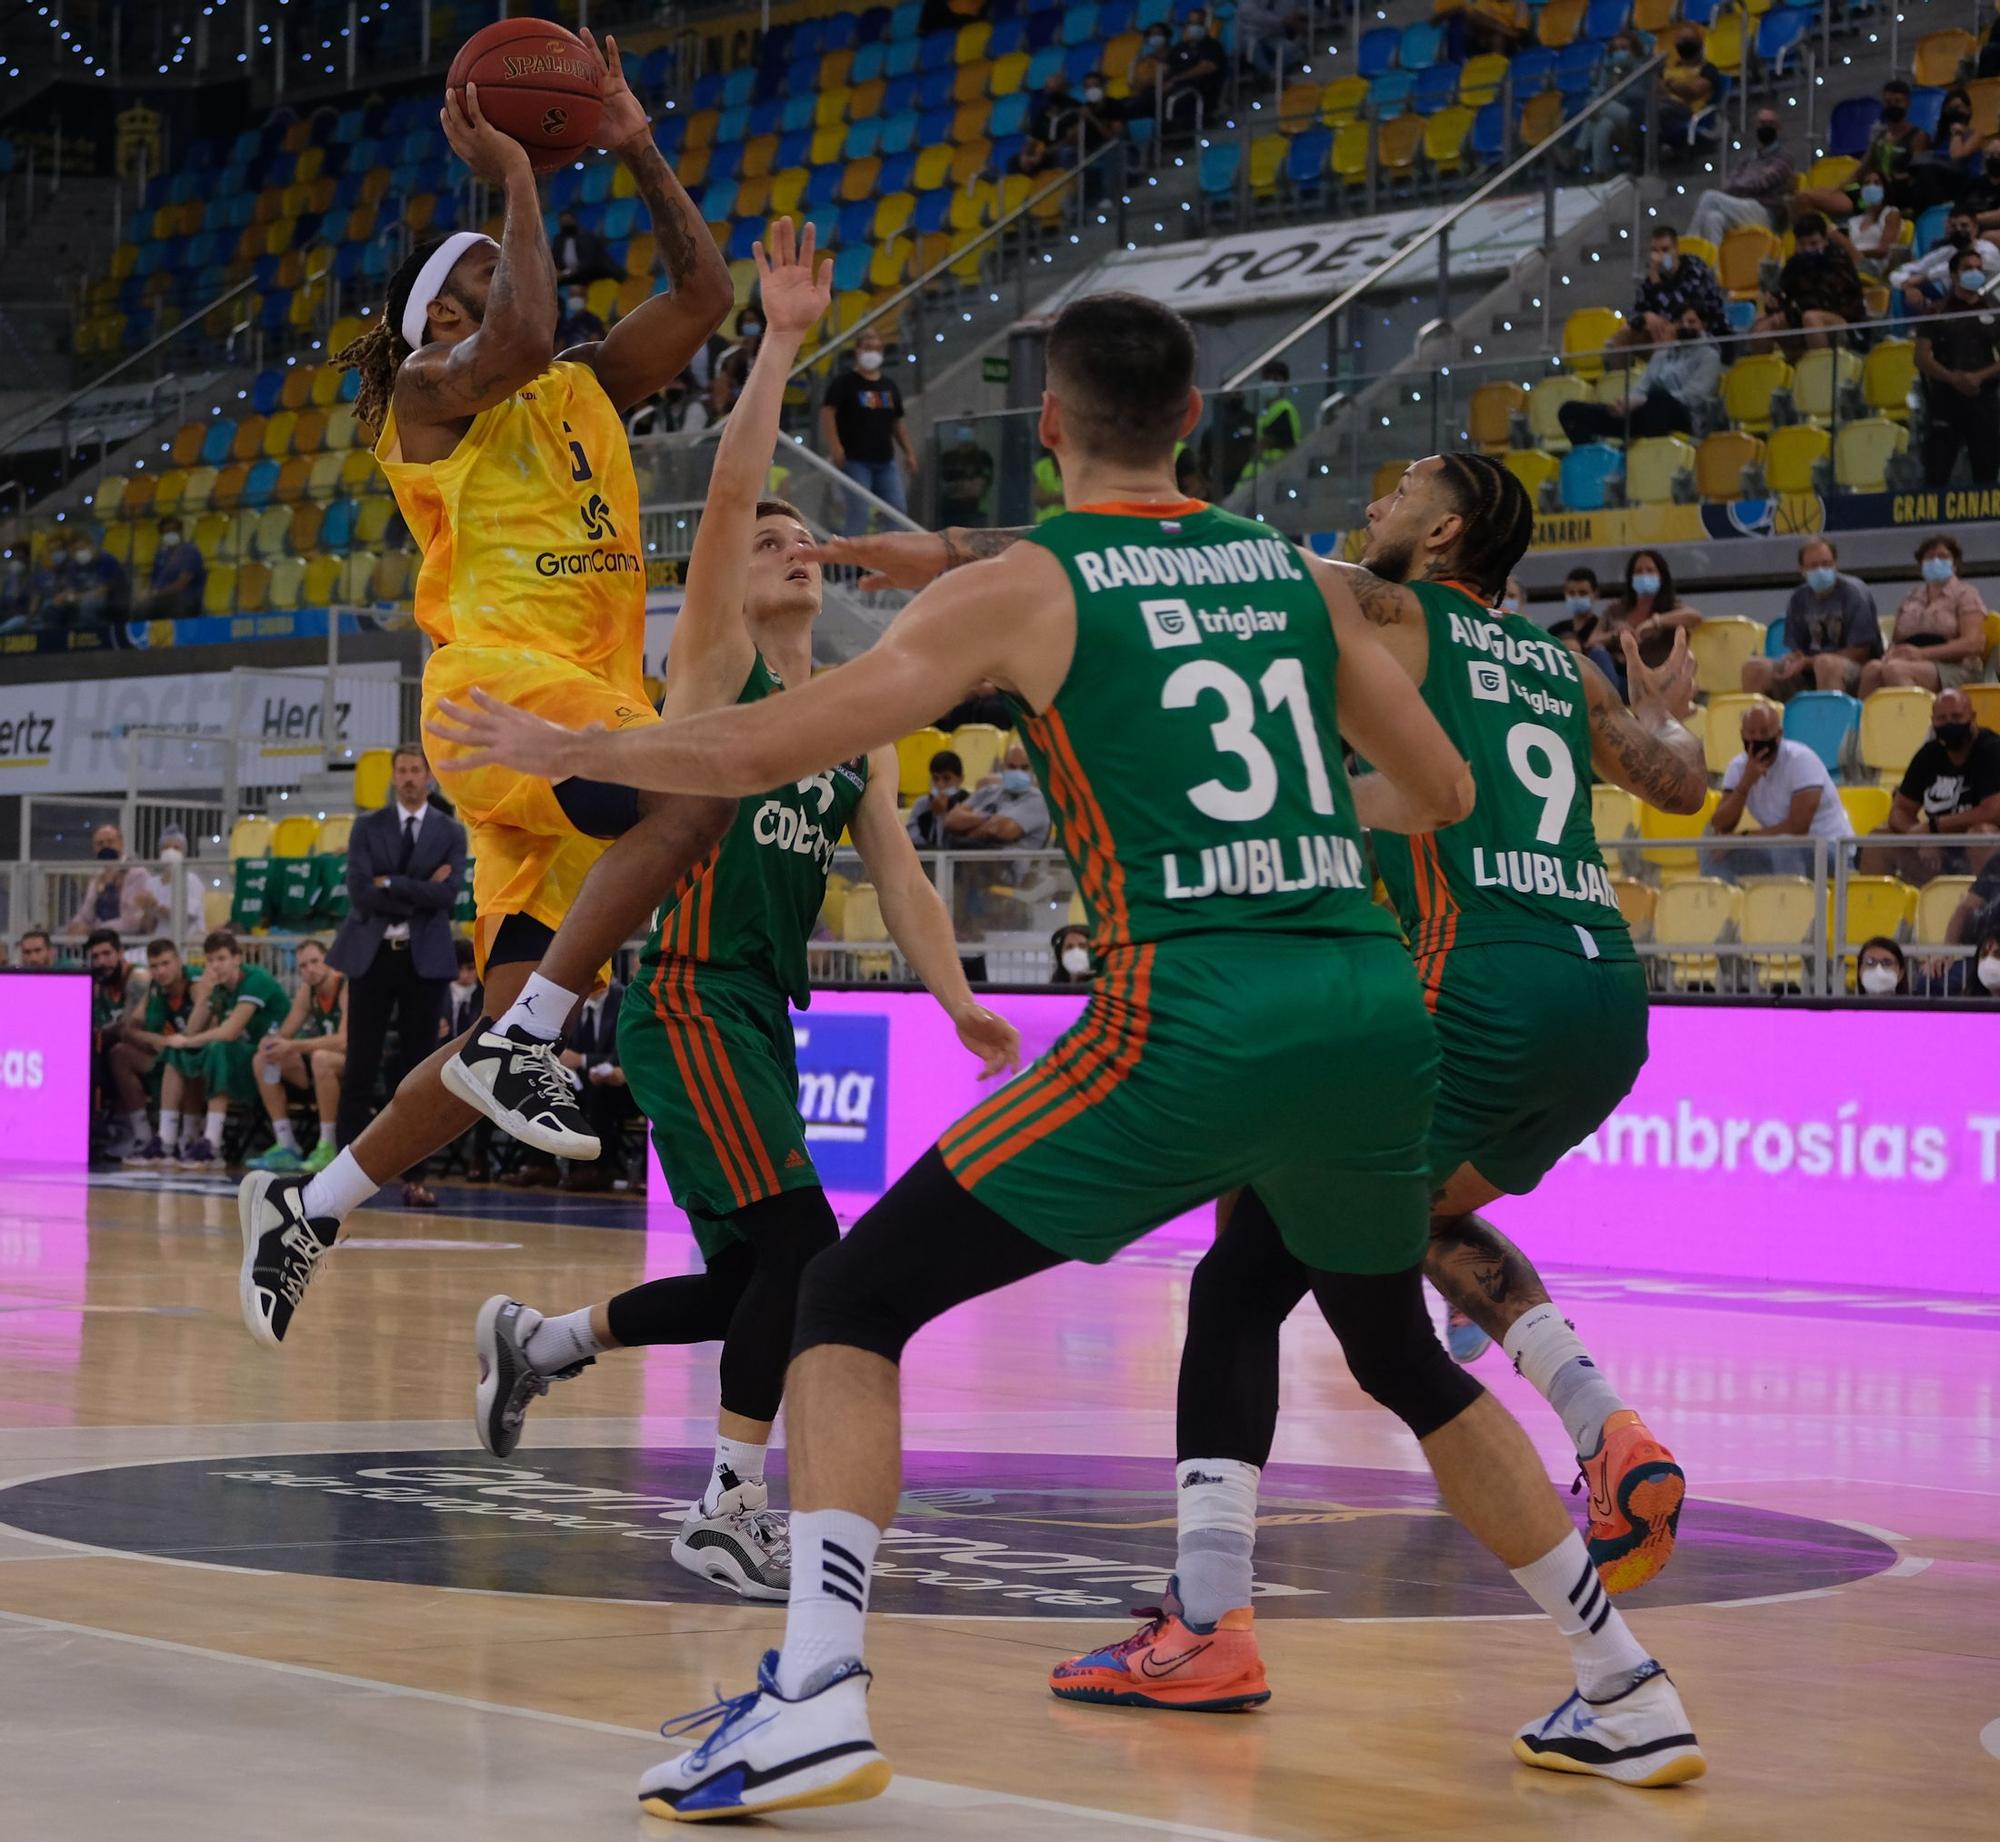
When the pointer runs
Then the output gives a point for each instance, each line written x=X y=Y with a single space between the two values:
x=846 y=1302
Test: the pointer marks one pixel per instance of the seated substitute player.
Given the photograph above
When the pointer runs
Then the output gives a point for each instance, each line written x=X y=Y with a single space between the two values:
x=512 y=468
x=151 y=1048
x=1258 y=1025
x=705 y=1033
x=235 y=1003
x=306 y=1052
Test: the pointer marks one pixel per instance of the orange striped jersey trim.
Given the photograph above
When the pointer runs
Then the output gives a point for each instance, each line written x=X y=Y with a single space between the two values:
x=695 y=1080
x=708 y=1043
x=1085 y=830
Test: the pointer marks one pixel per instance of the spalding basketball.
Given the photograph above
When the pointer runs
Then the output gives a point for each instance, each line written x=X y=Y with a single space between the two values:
x=537 y=83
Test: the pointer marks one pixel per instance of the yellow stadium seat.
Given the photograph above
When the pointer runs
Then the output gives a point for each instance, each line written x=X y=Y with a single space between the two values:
x=325 y=387
x=323 y=478
x=118 y=543
x=1009 y=73
x=372 y=771
x=1397 y=143
x=1298 y=105
x=1818 y=379
x=288 y=575
x=1721 y=646
x=861 y=918
x=1744 y=250
x=1545 y=401
x=970 y=205
x=833 y=905
x=1559 y=23
x=215 y=907
x=913 y=761
x=253 y=585
x=1492 y=412
x=1863 y=450
x=295 y=836
x=892 y=215
x=1445 y=137
x=1533 y=469
x=358 y=473
x=1877 y=905
x=1867 y=808
x=1985 y=698
x=979 y=746
x=970 y=45
x=787 y=188
x=1702 y=247
x=1748 y=387
x=1939 y=55
x=167 y=492
x=1937 y=902
x=1724 y=741
x=1696 y=724
x=322 y=583
x=1636 y=902
x=857 y=180
x=1383 y=481
x=1659 y=828
x=864 y=100
x=394 y=570
x=1696 y=911
x=110 y=494
x=185 y=448
x=335 y=831
x=1719 y=464
x=828 y=141
x=357 y=576
x=1267 y=160
x=969 y=160
x=296 y=391
x=1779 y=911
x=1654 y=468
x=970 y=84
x=1724 y=43
x=1480 y=80
x=250 y=837
x=1614 y=813
x=271 y=535
x=1831 y=172
x=218 y=595
x=1586 y=333
x=308 y=431
x=889 y=267
x=1343 y=100
x=1895 y=723
x=1792 y=453
x=1349 y=160
x=1888 y=375
x=1542 y=117
x=197 y=490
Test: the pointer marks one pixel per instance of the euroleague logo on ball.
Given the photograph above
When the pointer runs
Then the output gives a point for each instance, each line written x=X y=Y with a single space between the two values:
x=555 y=122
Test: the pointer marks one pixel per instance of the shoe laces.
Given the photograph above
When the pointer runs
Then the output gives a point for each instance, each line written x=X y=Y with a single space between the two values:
x=303 y=1250
x=1155 y=1617
x=724 y=1711
x=551 y=1079
x=771 y=1532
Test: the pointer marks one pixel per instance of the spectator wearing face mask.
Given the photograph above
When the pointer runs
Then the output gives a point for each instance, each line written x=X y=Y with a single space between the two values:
x=1579 y=616
x=1196 y=69
x=1674 y=282
x=1689 y=84
x=863 y=429
x=1927 y=280
x=19 y=600
x=1677 y=379
x=91 y=589
x=1100 y=123
x=1649 y=608
x=1513 y=597
x=1873 y=236
x=1790 y=797
x=1609 y=139
x=1958 y=355
x=1831 y=631
x=1757 y=192
x=965 y=477
x=1950 y=794
x=1975 y=919
x=1939 y=640
x=925 y=822
x=123 y=896
x=580 y=255
x=179 y=576
x=173 y=853
x=732 y=369
x=1896 y=142
x=1069 y=947
x=1146 y=80
x=1818 y=293
x=1270 y=34
x=1981 y=193
x=1880 y=970
x=1009 y=815
x=578 y=325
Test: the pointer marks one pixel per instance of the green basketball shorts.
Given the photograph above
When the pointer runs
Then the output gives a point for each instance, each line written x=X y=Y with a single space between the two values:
x=710 y=1061
x=1539 y=1044
x=1303 y=1066
x=225 y=1070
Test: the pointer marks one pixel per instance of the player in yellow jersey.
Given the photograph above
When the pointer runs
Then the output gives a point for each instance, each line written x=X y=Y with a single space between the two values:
x=511 y=465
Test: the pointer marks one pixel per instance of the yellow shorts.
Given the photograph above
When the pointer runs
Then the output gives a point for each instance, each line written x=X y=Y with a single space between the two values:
x=527 y=857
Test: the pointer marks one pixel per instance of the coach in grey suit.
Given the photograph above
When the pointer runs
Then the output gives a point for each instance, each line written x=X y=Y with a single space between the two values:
x=405 y=867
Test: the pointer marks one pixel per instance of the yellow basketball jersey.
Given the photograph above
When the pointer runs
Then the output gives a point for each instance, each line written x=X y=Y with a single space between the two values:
x=530 y=528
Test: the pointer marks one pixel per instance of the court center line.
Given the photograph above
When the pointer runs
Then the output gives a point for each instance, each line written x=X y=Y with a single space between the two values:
x=926 y=1789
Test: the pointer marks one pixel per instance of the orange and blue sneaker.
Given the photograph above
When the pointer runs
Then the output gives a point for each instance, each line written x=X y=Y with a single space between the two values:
x=1636 y=1492
x=1170 y=1663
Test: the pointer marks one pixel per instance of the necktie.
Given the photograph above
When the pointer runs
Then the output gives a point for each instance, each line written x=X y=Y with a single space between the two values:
x=409 y=844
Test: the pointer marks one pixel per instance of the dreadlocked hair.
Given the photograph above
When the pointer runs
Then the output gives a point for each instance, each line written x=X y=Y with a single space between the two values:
x=379 y=352
x=1499 y=520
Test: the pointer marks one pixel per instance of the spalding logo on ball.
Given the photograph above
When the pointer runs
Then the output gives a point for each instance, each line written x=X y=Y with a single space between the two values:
x=537 y=84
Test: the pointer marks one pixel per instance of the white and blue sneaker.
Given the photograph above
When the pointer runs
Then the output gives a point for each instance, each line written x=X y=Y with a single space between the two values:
x=1638 y=1736
x=771 y=1753
x=1466 y=1341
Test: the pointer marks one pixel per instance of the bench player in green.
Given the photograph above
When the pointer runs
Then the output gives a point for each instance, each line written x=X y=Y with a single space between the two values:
x=705 y=1033
x=1180 y=673
x=154 y=1040
x=235 y=1003
x=307 y=1050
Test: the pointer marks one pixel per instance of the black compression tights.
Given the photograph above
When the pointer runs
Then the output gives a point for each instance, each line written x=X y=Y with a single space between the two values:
x=748 y=1297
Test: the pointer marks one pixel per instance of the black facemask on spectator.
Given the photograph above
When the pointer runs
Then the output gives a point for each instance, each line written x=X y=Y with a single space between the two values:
x=1689 y=48
x=1765 y=750
x=1687 y=333
x=1954 y=735
x=1960 y=239
x=1893 y=112
x=1767 y=132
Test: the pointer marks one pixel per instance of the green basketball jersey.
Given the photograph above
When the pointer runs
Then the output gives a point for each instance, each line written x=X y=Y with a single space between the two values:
x=323 y=1009
x=1191 y=752
x=1525 y=865
x=752 y=903
x=162 y=1008
x=257 y=987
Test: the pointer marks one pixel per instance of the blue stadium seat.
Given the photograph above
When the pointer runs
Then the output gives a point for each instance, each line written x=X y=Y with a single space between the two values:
x=1389 y=94
x=336 y=529
x=1378 y=51
x=1041 y=67
x=840 y=32
x=821 y=189
x=933 y=212
x=873 y=26
x=1587 y=473
x=900 y=98
x=1602 y=18
x=262 y=481
x=767 y=116
x=739 y=86
x=903 y=19
x=1774 y=639
x=1009 y=36
x=718 y=200
x=1113 y=18
x=743 y=239
x=794 y=149
x=1436 y=88
x=935 y=52
x=857 y=226
x=798 y=115
x=621 y=218
x=1081 y=61
x=1220 y=162
x=1576 y=70
x=1042 y=30
x=1700 y=12
x=1305 y=160
x=934 y=126
x=264 y=391
x=868 y=63
x=1005 y=147
x=898 y=173
x=733 y=125
x=902 y=58
x=1825 y=721
x=1533 y=71
x=1421 y=45
x=1924 y=107
x=850 y=267
x=1780 y=32
x=1010 y=115
x=1930 y=227
x=934 y=90
x=215 y=444
x=864 y=139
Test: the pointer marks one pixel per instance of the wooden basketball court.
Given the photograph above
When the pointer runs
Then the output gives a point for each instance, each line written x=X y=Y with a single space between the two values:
x=246 y=1595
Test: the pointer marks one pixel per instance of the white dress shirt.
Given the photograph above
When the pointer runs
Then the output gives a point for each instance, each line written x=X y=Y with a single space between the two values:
x=400 y=930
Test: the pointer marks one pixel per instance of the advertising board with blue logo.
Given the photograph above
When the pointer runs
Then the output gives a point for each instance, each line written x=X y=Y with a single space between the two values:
x=844 y=1095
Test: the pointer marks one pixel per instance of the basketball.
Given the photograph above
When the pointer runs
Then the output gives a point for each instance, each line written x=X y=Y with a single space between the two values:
x=537 y=83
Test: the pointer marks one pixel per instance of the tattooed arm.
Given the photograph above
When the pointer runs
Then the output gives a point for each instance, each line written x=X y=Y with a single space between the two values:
x=1644 y=749
x=915 y=559
x=653 y=344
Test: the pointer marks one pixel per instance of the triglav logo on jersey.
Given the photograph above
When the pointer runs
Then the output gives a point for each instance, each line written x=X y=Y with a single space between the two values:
x=1489 y=682
x=1170 y=623
x=844 y=1097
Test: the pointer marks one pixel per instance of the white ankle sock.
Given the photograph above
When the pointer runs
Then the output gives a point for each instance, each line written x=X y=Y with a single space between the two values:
x=744 y=1464
x=135 y=1123
x=212 y=1127
x=170 y=1128
x=542 y=1009
x=339 y=1189
x=1550 y=1355
x=555 y=1343
x=1565 y=1585
x=1216 y=1505
x=282 y=1130
x=832 y=1551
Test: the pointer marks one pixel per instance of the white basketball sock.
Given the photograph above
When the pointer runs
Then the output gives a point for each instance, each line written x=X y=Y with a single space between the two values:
x=832 y=1552
x=339 y=1189
x=555 y=1343
x=135 y=1123
x=282 y=1130
x=170 y=1128
x=1550 y=1355
x=740 y=1460
x=1565 y=1585
x=1216 y=1508
x=212 y=1128
x=541 y=1010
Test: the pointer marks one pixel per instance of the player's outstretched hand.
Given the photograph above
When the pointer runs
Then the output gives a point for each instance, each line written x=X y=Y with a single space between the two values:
x=493 y=156
x=893 y=559
x=795 y=289
x=990 y=1037
x=488 y=732
x=624 y=118
x=1670 y=686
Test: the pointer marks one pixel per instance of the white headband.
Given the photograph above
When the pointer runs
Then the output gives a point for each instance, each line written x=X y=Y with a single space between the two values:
x=430 y=281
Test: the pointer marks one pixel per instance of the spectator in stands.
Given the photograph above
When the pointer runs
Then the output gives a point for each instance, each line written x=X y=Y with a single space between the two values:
x=1818 y=292
x=153 y=1045
x=117 y=999
x=91 y=589
x=1045 y=487
x=578 y=325
x=1146 y=80
x=1103 y=122
x=1069 y=947
x=179 y=575
x=1950 y=790
x=1954 y=156
x=1579 y=609
x=1196 y=69
x=1958 y=353
x=1989 y=52
x=1939 y=639
x=591 y=1054
x=1981 y=193
x=1649 y=608
x=1873 y=236
x=925 y=823
x=1513 y=597
x=1271 y=427
x=306 y=1051
x=1677 y=378
x=1053 y=118
x=1271 y=36
x=1880 y=970
x=965 y=478
x=1788 y=793
x=1690 y=84
x=1927 y=280
x=1975 y=919
x=1674 y=281
x=405 y=865
x=1034 y=160
x=1758 y=192
x=1896 y=142
x=580 y=255
x=38 y=951
x=1609 y=133
x=242 y=1004
x=19 y=600
x=173 y=849
x=1010 y=815
x=1501 y=26
x=1831 y=631
x=863 y=429
x=733 y=367
x=124 y=896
